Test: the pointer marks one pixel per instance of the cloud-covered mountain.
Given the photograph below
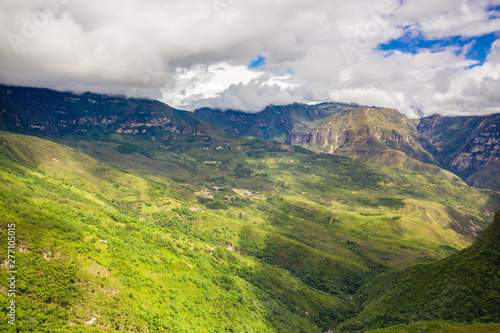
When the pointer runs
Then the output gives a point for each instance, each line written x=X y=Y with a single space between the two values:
x=94 y=115
x=467 y=146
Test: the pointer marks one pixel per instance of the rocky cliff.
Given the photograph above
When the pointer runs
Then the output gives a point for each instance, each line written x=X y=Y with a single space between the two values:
x=365 y=133
x=274 y=123
x=470 y=146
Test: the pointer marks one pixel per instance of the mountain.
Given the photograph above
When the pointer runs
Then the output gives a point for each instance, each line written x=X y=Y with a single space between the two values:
x=469 y=146
x=375 y=135
x=60 y=113
x=466 y=146
x=327 y=127
x=461 y=288
x=274 y=123
x=108 y=250
x=367 y=134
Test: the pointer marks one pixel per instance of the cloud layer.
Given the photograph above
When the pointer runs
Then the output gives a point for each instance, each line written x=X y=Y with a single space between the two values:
x=197 y=53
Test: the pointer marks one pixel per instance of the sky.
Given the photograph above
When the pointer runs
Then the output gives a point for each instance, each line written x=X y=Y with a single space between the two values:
x=420 y=57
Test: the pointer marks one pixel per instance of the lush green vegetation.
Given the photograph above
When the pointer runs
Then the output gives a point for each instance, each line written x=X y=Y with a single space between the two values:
x=440 y=327
x=462 y=287
x=149 y=274
x=212 y=235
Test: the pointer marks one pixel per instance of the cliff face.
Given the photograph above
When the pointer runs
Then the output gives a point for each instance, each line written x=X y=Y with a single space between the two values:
x=481 y=148
x=274 y=123
x=375 y=135
x=366 y=133
x=470 y=146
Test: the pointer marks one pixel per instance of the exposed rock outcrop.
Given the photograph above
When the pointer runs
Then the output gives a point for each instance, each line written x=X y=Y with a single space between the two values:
x=470 y=146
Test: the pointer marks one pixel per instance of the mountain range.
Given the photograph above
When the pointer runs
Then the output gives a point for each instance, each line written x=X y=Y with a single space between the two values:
x=59 y=113
x=466 y=146
x=135 y=216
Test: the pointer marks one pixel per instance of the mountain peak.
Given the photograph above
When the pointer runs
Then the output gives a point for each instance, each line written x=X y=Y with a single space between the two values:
x=368 y=134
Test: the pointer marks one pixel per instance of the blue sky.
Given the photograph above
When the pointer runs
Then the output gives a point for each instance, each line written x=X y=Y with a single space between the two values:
x=411 y=42
x=258 y=62
x=494 y=11
x=473 y=47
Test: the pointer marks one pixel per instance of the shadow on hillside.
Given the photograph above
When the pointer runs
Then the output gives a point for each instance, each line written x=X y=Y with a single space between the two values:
x=297 y=288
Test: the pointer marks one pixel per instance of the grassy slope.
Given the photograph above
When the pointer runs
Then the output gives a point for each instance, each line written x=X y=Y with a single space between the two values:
x=489 y=177
x=313 y=230
x=462 y=287
x=145 y=276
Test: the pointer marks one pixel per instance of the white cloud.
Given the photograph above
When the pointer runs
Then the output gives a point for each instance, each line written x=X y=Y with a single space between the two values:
x=437 y=19
x=196 y=53
x=252 y=97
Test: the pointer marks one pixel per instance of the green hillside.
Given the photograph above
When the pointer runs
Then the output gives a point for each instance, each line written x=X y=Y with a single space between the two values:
x=158 y=221
x=460 y=288
x=164 y=266
x=440 y=327
x=261 y=237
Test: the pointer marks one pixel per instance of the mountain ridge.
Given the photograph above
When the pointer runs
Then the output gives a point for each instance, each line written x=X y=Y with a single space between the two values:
x=375 y=135
x=59 y=113
x=366 y=131
x=274 y=123
x=466 y=146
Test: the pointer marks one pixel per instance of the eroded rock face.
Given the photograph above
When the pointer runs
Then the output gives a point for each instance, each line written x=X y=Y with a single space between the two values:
x=364 y=133
x=466 y=144
x=481 y=149
x=320 y=138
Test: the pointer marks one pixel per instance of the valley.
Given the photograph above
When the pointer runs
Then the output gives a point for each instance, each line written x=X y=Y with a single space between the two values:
x=134 y=216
